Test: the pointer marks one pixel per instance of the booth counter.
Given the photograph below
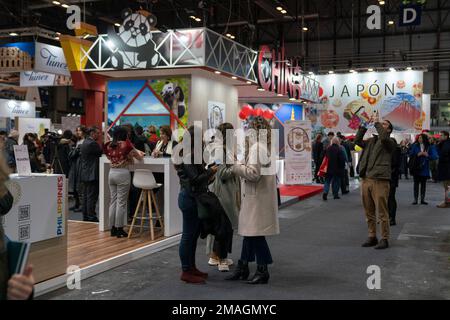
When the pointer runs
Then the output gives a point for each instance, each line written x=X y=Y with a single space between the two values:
x=39 y=216
x=167 y=199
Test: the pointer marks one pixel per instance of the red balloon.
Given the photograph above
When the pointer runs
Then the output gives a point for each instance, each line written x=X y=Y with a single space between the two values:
x=259 y=113
x=247 y=110
x=242 y=115
x=320 y=91
x=268 y=114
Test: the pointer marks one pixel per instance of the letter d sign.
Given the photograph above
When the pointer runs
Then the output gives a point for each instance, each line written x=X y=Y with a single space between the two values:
x=410 y=15
x=74 y=20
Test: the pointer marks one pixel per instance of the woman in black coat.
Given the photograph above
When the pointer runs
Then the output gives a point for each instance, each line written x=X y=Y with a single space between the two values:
x=443 y=148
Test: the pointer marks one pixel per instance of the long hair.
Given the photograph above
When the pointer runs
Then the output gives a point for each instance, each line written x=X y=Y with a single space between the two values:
x=262 y=129
x=119 y=134
x=425 y=139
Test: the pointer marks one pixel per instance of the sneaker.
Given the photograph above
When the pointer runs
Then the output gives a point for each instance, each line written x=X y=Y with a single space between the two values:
x=213 y=262
x=223 y=266
x=443 y=205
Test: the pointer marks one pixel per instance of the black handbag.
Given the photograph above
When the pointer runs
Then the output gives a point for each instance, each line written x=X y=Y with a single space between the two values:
x=6 y=203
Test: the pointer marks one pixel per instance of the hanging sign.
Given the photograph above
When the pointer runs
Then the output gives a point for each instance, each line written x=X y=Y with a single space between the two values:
x=36 y=79
x=50 y=59
x=410 y=15
x=14 y=108
x=297 y=136
x=281 y=76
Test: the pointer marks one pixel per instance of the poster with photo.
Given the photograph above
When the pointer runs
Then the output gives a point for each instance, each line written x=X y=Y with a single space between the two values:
x=298 y=148
x=216 y=114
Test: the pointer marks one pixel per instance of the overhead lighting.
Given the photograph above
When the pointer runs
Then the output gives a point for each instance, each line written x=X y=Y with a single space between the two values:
x=279 y=95
x=261 y=89
x=352 y=71
x=292 y=99
x=331 y=72
x=13 y=34
x=283 y=11
x=217 y=72
x=193 y=17
x=86 y=36
x=56 y=38
x=370 y=69
x=311 y=73
x=117 y=24
x=381 y=3
x=110 y=45
x=391 y=22
x=234 y=78
x=57 y=3
x=305 y=28
x=279 y=8
x=392 y=69
x=409 y=68
x=233 y=37
x=228 y=35
x=65 y=6
x=249 y=82
x=58 y=33
x=198 y=19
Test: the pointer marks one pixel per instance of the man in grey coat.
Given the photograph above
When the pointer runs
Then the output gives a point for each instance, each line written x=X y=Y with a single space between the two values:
x=90 y=155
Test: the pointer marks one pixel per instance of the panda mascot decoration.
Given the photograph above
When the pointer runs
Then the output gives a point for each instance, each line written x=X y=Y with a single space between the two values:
x=133 y=44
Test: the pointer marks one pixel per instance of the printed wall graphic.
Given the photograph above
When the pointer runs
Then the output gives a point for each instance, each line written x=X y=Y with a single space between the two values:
x=30 y=125
x=43 y=79
x=25 y=221
x=298 y=147
x=149 y=102
x=16 y=57
x=349 y=100
x=216 y=114
x=14 y=108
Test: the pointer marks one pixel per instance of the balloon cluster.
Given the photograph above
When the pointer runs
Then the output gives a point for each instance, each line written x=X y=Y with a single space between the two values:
x=247 y=112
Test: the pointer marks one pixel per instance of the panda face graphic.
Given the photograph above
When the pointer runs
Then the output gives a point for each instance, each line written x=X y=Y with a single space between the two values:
x=135 y=30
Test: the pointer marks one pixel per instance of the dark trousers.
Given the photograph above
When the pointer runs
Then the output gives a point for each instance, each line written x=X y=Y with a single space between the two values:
x=392 y=202
x=191 y=230
x=422 y=182
x=333 y=180
x=90 y=197
x=256 y=247
x=76 y=197
x=345 y=183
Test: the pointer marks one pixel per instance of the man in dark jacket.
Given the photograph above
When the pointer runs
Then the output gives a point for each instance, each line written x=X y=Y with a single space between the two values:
x=375 y=171
x=444 y=164
x=317 y=155
x=90 y=154
x=395 y=175
x=335 y=170
x=12 y=141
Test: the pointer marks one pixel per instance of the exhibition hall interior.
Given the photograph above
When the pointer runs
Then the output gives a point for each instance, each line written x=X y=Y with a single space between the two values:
x=224 y=150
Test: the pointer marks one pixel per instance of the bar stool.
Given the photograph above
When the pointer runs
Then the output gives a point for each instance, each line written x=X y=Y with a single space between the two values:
x=144 y=179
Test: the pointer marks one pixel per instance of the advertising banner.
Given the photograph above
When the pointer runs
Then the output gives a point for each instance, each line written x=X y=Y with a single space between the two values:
x=43 y=79
x=216 y=114
x=298 y=147
x=31 y=219
x=22 y=160
x=37 y=125
x=16 y=57
x=14 y=108
x=349 y=100
x=50 y=59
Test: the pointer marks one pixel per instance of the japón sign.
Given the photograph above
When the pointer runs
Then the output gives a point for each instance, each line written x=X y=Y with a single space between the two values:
x=281 y=76
x=50 y=59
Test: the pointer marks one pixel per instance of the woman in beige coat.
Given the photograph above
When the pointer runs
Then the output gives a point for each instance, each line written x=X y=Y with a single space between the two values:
x=258 y=217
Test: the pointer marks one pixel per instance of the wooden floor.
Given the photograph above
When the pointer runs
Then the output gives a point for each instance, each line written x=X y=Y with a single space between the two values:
x=87 y=245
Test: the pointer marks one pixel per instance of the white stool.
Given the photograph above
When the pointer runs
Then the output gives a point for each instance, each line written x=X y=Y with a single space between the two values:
x=144 y=179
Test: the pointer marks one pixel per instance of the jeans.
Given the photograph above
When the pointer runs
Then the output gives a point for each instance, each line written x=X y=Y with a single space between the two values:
x=191 y=229
x=256 y=247
x=90 y=197
x=422 y=181
x=119 y=186
x=335 y=180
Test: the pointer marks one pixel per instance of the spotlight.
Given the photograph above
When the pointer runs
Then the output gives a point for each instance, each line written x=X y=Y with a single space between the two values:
x=331 y=72
x=381 y=3
x=261 y=89
x=279 y=8
x=352 y=71
x=392 y=69
x=409 y=68
x=279 y=95
x=370 y=69
x=283 y=11
x=249 y=82
x=65 y=6
x=292 y=99
x=305 y=28
x=234 y=78
x=217 y=72
x=391 y=22
x=117 y=24
x=57 y=3
x=13 y=34
x=198 y=19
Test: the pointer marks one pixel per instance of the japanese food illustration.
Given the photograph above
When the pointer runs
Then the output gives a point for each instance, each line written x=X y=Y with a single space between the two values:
x=329 y=119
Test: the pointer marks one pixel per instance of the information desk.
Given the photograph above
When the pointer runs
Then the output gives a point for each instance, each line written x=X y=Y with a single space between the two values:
x=167 y=197
x=39 y=216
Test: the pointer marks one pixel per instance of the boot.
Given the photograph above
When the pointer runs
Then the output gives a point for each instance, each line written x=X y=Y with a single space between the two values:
x=240 y=273
x=121 y=233
x=370 y=242
x=194 y=271
x=384 y=244
x=188 y=277
x=261 y=276
x=113 y=231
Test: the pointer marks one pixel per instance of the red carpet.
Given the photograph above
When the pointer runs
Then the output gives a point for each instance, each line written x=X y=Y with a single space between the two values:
x=302 y=192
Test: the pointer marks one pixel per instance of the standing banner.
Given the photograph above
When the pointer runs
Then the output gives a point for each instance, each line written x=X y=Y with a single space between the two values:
x=350 y=100
x=50 y=59
x=22 y=160
x=298 y=148
x=427 y=110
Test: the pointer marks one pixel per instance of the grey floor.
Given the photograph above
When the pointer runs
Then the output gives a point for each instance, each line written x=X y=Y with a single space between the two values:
x=317 y=256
